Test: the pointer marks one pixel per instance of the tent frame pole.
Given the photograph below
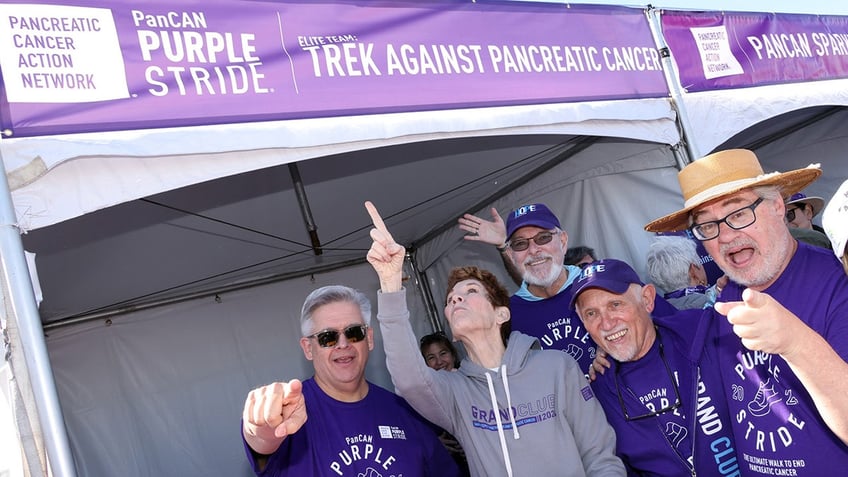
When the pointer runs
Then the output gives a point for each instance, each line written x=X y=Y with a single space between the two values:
x=423 y=285
x=21 y=299
x=689 y=151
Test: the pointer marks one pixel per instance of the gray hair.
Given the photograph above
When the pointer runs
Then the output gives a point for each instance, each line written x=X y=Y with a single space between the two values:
x=332 y=294
x=669 y=259
x=769 y=192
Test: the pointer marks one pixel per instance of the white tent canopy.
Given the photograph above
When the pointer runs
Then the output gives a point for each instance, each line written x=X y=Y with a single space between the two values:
x=173 y=262
x=754 y=96
x=149 y=367
x=714 y=117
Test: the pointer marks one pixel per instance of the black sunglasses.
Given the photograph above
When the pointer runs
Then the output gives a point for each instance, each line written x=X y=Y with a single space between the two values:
x=677 y=402
x=541 y=238
x=330 y=338
x=790 y=214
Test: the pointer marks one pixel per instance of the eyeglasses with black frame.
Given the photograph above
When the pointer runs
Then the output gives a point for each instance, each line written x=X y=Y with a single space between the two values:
x=330 y=338
x=541 y=238
x=736 y=220
x=671 y=407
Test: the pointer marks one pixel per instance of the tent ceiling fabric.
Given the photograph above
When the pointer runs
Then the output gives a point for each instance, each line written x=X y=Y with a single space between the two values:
x=713 y=117
x=802 y=137
x=121 y=166
x=249 y=226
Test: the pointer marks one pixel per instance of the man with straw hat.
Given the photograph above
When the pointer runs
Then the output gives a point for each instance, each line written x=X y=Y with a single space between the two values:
x=782 y=348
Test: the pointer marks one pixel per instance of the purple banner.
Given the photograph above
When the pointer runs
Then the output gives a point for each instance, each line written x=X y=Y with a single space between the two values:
x=91 y=65
x=733 y=50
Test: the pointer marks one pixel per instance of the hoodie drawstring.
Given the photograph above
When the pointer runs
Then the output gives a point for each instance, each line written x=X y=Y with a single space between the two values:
x=515 y=434
x=497 y=413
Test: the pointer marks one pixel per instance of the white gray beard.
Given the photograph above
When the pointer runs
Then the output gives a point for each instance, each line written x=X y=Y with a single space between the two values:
x=545 y=281
x=770 y=269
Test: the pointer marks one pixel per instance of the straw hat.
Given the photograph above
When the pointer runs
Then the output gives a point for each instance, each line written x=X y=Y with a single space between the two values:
x=724 y=173
x=817 y=203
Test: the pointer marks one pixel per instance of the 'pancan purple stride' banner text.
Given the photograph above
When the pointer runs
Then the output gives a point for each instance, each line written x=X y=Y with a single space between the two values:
x=716 y=50
x=96 y=65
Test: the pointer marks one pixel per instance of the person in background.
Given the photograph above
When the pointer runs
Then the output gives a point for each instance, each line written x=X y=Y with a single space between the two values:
x=706 y=260
x=674 y=266
x=438 y=351
x=580 y=256
x=835 y=222
x=650 y=396
x=515 y=409
x=533 y=240
x=779 y=331
x=354 y=427
x=440 y=354
x=800 y=211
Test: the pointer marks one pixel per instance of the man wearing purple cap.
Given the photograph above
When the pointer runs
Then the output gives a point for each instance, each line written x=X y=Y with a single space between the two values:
x=665 y=422
x=800 y=211
x=534 y=242
x=781 y=351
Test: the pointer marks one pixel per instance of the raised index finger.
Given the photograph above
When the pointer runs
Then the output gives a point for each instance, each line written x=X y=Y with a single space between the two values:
x=376 y=219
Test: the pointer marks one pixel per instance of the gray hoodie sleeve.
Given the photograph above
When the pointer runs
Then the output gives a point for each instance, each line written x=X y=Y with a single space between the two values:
x=594 y=436
x=425 y=389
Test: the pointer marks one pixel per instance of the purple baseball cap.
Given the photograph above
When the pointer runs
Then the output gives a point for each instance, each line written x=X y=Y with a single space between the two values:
x=531 y=214
x=608 y=274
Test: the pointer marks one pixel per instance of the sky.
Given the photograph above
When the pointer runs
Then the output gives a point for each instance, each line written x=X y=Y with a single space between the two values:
x=825 y=7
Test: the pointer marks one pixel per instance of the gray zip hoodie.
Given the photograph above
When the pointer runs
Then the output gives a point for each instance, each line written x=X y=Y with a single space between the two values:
x=555 y=428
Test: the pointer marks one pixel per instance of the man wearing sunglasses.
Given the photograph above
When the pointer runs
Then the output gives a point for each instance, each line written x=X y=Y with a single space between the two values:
x=535 y=243
x=354 y=427
x=779 y=332
x=800 y=211
x=650 y=394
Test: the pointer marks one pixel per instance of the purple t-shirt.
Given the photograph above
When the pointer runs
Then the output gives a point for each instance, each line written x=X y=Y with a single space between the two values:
x=379 y=436
x=695 y=435
x=556 y=325
x=777 y=427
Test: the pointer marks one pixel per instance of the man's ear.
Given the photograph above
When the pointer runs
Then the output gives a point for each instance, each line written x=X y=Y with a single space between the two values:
x=808 y=211
x=563 y=236
x=370 y=335
x=649 y=296
x=693 y=274
x=779 y=207
x=305 y=345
